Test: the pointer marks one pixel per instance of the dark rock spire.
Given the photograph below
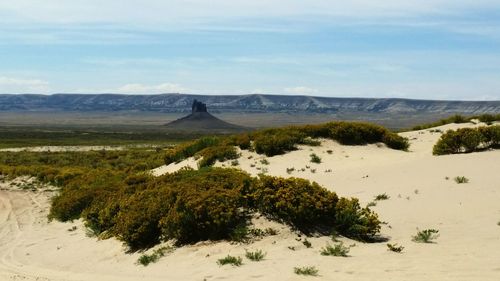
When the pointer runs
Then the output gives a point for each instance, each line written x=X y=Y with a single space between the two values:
x=198 y=106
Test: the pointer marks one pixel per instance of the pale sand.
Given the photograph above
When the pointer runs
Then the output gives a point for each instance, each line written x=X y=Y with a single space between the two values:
x=466 y=215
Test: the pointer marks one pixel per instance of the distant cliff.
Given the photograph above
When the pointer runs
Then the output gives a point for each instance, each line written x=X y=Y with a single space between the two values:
x=239 y=103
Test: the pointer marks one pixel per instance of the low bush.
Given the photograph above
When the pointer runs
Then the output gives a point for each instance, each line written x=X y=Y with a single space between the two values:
x=68 y=206
x=426 y=236
x=255 y=256
x=315 y=158
x=306 y=270
x=488 y=118
x=460 y=180
x=138 y=217
x=337 y=250
x=382 y=196
x=307 y=243
x=294 y=201
x=395 y=248
x=356 y=133
x=216 y=153
x=355 y=222
x=395 y=141
x=264 y=162
x=490 y=136
x=146 y=259
x=235 y=261
x=240 y=233
x=243 y=141
x=467 y=140
x=189 y=149
x=277 y=141
x=206 y=205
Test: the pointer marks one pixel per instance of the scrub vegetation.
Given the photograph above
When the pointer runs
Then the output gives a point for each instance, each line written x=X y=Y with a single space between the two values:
x=458 y=119
x=278 y=141
x=466 y=140
x=116 y=196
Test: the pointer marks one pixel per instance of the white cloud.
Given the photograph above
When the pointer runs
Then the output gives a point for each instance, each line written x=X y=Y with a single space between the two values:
x=300 y=90
x=20 y=85
x=181 y=12
x=151 y=89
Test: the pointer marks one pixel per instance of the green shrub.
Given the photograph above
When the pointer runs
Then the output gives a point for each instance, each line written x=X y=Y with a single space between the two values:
x=264 y=162
x=491 y=136
x=216 y=153
x=382 y=196
x=243 y=141
x=426 y=236
x=277 y=141
x=207 y=208
x=307 y=243
x=306 y=270
x=145 y=259
x=449 y=143
x=395 y=141
x=371 y=204
x=466 y=140
x=470 y=139
x=240 y=233
x=315 y=158
x=337 y=250
x=138 y=217
x=271 y=231
x=255 y=256
x=235 y=261
x=395 y=248
x=189 y=149
x=294 y=201
x=460 y=180
x=457 y=119
x=69 y=205
x=356 y=133
x=355 y=222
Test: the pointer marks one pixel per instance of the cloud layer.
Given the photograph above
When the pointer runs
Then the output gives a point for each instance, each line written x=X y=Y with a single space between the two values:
x=19 y=85
x=415 y=48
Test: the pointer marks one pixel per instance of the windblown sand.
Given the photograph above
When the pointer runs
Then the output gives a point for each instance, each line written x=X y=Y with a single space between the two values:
x=421 y=196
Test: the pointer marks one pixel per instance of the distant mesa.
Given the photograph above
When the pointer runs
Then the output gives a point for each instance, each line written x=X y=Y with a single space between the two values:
x=201 y=120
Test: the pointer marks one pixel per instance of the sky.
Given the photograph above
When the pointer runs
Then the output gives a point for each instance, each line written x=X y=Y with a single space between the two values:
x=439 y=49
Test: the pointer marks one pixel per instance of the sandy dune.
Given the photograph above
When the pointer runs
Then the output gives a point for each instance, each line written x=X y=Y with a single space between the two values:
x=420 y=197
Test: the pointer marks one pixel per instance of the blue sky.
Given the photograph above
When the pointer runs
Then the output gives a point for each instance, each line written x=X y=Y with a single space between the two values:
x=440 y=49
